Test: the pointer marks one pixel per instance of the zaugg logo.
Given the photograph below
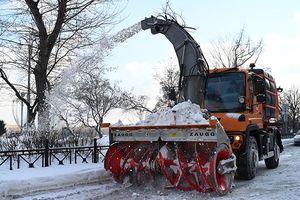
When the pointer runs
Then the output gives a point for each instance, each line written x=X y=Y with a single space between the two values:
x=123 y=134
x=201 y=134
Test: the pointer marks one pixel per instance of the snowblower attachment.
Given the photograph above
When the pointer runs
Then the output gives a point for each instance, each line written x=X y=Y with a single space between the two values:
x=191 y=157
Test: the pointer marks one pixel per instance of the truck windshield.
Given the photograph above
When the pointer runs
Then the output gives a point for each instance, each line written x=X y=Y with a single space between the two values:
x=225 y=92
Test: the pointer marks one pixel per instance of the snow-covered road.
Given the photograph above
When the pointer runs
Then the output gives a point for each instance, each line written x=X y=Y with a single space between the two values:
x=280 y=183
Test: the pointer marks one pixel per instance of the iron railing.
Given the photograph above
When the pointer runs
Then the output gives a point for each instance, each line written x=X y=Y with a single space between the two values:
x=46 y=156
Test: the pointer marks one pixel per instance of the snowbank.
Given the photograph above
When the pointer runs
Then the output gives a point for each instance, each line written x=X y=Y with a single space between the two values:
x=22 y=182
x=182 y=113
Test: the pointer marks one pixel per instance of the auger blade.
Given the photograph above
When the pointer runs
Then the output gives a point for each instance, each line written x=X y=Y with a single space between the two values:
x=181 y=166
x=131 y=159
x=139 y=162
x=114 y=157
x=194 y=164
x=169 y=164
x=188 y=165
x=222 y=169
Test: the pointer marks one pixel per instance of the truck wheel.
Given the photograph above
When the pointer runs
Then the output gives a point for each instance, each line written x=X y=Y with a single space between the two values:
x=273 y=162
x=248 y=171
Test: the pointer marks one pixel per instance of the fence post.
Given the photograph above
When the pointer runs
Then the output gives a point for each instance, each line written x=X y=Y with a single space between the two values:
x=18 y=161
x=47 y=153
x=10 y=162
x=95 y=159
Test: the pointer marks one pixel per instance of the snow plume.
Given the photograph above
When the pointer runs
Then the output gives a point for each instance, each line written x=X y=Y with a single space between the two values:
x=107 y=43
x=91 y=59
x=182 y=113
x=95 y=56
x=126 y=33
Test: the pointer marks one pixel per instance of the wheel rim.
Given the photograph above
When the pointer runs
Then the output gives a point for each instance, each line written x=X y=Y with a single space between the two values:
x=276 y=151
x=254 y=157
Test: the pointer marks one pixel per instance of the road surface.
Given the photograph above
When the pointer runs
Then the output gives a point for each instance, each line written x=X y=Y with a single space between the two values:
x=280 y=183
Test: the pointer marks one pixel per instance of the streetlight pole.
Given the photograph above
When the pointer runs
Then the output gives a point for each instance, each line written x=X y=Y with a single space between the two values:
x=22 y=110
x=285 y=117
x=28 y=84
x=22 y=105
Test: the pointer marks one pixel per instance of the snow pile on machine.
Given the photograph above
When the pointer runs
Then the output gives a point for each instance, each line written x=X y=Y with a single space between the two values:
x=182 y=113
x=193 y=153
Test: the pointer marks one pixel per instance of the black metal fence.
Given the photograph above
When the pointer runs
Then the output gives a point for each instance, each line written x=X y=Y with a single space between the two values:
x=46 y=156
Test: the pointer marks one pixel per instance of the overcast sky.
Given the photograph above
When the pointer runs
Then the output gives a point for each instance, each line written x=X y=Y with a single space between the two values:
x=276 y=22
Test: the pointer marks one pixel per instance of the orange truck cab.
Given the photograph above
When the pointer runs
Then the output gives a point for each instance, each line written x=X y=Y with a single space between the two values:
x=246 y=103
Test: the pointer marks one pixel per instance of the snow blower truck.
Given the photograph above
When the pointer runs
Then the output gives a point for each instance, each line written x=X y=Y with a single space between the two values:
x=190 y=156
x=202 y=157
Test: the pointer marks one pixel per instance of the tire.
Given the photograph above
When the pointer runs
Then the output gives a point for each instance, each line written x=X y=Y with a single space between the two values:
x=248 y=171
x=273 y=162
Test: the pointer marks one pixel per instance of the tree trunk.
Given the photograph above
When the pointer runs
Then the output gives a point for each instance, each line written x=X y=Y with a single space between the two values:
x=98 y=128
x=43 y=107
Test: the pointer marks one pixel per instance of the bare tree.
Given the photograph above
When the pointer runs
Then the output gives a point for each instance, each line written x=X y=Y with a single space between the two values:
x=89 y=98
x=292 y=98
x=235 y=52
x=168 y=81
x=137 y=105
x=42 y=37
x=168 y=12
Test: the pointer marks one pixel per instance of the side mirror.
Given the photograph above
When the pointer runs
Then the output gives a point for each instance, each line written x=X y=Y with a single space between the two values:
x=260 y=86
x=261 y=98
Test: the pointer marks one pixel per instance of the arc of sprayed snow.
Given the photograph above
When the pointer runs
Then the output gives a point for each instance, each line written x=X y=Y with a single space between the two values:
x=126 y=33
x=87 y=60
x=108 y=43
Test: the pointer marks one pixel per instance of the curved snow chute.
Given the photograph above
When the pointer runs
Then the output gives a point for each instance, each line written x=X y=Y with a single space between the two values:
x=193 y=66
